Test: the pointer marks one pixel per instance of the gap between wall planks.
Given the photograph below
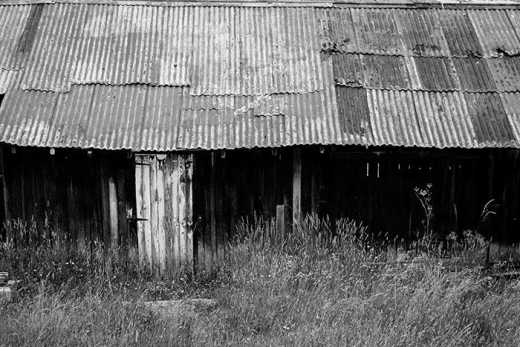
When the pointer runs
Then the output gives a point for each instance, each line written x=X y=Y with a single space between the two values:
x=163 y=186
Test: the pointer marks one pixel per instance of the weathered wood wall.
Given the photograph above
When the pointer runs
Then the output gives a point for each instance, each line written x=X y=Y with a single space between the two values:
x=77 y=196
x=164 y=212
x=92 y=197
x=376 y=187
x=233 y=184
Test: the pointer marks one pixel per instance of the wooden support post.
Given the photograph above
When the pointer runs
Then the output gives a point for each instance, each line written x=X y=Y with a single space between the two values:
x=186 y=202
x=212 y=209
x=112 y=206
x=315 y=191
x=105 y=214
x=297 y=187
x=281 y=221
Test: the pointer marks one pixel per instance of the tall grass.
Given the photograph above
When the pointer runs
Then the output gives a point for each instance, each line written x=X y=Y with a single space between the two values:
x=326 y=283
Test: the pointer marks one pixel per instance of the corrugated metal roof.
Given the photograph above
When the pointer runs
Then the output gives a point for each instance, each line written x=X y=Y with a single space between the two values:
x=474 y=74
x=459 y=33
x=347 y=70
x=214 y=50
x=164 y=118
x=6 y=78
x=187 y=76
x=422 y=32
x=495 y=32
x=387 y=72
x=489 y=119
x=506 y=73
x=436 y=73
x=12 y=24
x=511 y=103
x=377 y=31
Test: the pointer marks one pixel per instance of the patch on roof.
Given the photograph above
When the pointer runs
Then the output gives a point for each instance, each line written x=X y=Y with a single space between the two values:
x=489 y=119
x=336 y=31
x=443 y=119
x=353 y=113
x=474 y=74
x=422 y=32
x=387 y=72
x=459 y=33
x=393 y=118
x=511 y=103
x=506 y=73
x=347 y=69
x=377 y=31
x=436 y=73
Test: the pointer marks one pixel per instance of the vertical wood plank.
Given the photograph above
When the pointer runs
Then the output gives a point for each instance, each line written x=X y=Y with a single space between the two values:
x=147 y=216
x=153 y=216
x=297 y=187
x=175 y=210
x=281 y=221
x=122 y=223
x=112 y=205
x=168 y=219
x=140 y=212
x=188 y=195
x=182 y=213
x=104 y=205
x=161 y=236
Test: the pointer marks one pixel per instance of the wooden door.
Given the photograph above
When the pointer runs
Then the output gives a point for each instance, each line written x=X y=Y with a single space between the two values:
x=164 y=212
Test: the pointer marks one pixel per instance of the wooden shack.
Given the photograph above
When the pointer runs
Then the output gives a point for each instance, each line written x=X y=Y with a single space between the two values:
x=159 y=125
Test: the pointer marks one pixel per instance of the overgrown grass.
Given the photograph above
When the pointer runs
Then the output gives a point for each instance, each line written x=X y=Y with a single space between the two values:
x=323 y=284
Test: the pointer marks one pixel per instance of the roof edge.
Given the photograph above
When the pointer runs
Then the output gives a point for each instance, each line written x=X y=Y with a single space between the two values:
x=285 y=3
